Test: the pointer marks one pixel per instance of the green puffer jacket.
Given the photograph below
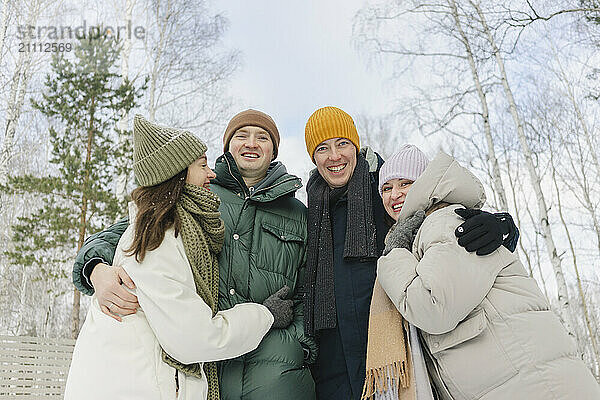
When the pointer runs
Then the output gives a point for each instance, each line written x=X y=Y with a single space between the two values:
x=265 y=245
x=264 y=249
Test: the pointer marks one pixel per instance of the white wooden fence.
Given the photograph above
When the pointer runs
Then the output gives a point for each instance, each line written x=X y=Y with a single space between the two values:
x=34 y=368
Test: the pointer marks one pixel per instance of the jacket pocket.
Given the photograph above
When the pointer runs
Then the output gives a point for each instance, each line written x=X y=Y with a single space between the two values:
x=282 y=234
x=470 y=358
x=280 y=251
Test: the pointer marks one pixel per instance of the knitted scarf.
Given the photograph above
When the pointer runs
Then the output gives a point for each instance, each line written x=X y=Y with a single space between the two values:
x=202 y=232
x=388 y=354
x=395 y=368
x=360 y=240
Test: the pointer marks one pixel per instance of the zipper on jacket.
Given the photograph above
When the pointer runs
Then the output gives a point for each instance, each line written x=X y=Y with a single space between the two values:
x=236 y=179
x=244 y=206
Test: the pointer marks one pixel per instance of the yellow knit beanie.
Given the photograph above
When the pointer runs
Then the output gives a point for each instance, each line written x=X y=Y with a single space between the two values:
x=328 y=123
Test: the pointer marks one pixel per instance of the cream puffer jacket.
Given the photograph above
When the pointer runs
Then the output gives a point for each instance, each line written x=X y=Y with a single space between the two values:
x=123 y=360
x=487 y=327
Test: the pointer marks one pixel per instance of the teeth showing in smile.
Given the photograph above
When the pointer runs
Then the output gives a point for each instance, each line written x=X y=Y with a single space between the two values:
x=337 y=168
x=250 y=155
x=397 y=207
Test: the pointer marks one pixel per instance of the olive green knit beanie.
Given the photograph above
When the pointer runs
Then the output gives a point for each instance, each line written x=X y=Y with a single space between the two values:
x=160 y=153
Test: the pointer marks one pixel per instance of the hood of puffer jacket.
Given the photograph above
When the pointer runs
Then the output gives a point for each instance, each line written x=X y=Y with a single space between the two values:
x=444 y=180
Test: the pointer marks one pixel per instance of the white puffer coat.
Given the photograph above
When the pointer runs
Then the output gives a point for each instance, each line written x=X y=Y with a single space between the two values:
x=123 y=360
x=485 y=323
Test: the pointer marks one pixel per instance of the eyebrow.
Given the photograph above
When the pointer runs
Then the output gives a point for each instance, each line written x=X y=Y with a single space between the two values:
x=244 y=130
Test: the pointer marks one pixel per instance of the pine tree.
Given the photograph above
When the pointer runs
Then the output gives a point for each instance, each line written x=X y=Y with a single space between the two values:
x=592 y=15
x=82 y=99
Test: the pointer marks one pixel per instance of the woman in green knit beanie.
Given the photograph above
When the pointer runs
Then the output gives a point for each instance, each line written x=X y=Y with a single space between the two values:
x=167 y=349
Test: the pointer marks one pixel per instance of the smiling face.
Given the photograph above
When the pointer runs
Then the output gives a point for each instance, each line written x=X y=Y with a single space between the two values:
x=252 y=150
x=199 y=173
x=335 y=159
x=393 y=195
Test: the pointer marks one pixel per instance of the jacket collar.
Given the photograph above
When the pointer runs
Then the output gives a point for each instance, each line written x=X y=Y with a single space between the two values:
x=276 y=183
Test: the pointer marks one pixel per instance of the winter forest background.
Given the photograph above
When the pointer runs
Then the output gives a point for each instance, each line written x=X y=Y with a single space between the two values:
x=510 y=88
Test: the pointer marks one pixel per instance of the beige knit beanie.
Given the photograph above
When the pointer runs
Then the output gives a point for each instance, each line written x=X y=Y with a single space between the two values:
x=251 y=118
x=160 y=153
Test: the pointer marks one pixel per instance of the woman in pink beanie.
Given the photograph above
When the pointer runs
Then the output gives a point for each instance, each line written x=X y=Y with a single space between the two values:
x=479 y=327
x=399 y=172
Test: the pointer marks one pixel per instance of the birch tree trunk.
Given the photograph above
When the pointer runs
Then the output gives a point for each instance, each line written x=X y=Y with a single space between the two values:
x=537 y=251
x=584 y=305
x=517 y=216
x=485 y=114
x=584 y=185
x=3 y=27
x=14 y=106
x=563 y=295
x=16 y=97
x=582 y=180
x=83 y=221
x=123 y=177
x=582 y=121
x=22 y=302
x=161 y=25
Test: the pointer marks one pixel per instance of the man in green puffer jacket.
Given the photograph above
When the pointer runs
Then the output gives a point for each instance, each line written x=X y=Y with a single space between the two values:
x=264 y=249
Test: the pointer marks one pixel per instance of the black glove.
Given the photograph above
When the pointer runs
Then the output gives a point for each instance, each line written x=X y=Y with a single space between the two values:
x=509 y=230
x=281 y=308
x=402 y=234
x=484 y=232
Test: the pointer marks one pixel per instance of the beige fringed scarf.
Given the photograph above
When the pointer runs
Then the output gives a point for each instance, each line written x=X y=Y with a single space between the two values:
x=388 y=352
x=390 y=373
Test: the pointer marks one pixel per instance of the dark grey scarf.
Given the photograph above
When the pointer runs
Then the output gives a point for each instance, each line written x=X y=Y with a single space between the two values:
x=360 y=240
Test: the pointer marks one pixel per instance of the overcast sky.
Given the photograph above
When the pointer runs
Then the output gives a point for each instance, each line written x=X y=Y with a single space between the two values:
x=298 y=56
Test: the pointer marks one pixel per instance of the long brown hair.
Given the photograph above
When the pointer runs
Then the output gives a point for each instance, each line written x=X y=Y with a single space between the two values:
x=156 y=213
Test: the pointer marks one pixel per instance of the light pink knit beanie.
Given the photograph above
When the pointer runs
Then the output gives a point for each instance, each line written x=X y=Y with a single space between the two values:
x=408 y=163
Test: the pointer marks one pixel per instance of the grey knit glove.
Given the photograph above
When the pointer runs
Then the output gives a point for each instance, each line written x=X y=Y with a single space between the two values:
x=402 y=234
x=281 y=308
